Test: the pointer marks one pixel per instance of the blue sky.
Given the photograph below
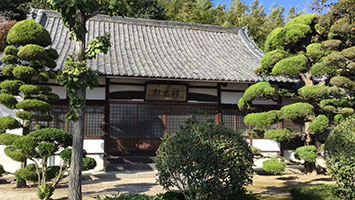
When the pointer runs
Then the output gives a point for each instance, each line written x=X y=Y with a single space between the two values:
x=301 y=5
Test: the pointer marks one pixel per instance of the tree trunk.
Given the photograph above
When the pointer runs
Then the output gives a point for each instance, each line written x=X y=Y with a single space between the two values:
x=78 y=132
x=309 y=167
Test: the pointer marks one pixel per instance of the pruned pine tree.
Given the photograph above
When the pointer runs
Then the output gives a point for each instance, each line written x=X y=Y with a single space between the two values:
x=28 y=65
x=319 y=52
x=76 y=77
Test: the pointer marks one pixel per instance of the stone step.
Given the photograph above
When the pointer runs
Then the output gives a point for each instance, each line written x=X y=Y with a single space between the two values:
x=131 y=167
x=129 y=160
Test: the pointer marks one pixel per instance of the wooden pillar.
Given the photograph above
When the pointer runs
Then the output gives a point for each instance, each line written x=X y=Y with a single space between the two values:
x=107 y=116
x=219 y=109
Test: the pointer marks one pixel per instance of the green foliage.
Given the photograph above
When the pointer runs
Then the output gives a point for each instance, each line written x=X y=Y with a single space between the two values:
x=8 y=138
x=315 y=51
x=255 y=151
x=50 y=98
x=2 y=171
x=338 y=118
x=319 y=69
x=8 y=100
x=7 y=70
x=270 y=59
x=275 y=40
x=333 y=105
x=8 y=123
x=26 y=115
x=28 y=32
x=314 y=192
x=75 y=75
x=11 y=86
x=29 y=90
x=280 y=135
x=98 y=45
x=134 y=197
x=335 y=60
x=314 y=92
x=33 y=105
x=258 y=90
x=307 y=153
x=261 y=119
x=343 y=82
x=45 y=191
x=223 y=169
x=291 y=66
x=274 y=166
x=52 y=53
x=24 y=73
x=332 y=44
x=14 y=154
x=295 y=33
x=296 y=111
x=349 y=53
x=306 y=19
x=10 y=50
x=32 y=52
x=26 y=174
x=88 y=163
x=9 y=59
x=339 y=149
x=256 y=132
x=319 y=125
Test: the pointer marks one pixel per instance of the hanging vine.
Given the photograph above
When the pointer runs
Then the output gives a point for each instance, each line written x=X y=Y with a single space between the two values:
x=75 y=74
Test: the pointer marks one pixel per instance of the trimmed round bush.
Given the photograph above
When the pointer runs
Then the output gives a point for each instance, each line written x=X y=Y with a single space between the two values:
x=314 y=92
x=88 y=163
x=10 y=50
x=8 y=100
x=8 y=123
x=28 y=32
x=261 y=119
x=32 y=52
x=340 y=152
x=280 y=134
x=291 y=66
x=7 y=70
x=8 y=138
x=296 y=111
x=52 y=53
x=11 y=86
x=14 y=154
x=10 y=60
x=307 y=153
x=275 y=40
x=24 y=73
x=306 y=19
x=319 y=125
x=274 y=166
x=215 y=162
x=29 y=90
x=33 y=105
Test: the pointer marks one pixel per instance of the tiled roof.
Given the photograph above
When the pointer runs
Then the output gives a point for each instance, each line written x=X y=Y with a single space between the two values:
x=163 y=49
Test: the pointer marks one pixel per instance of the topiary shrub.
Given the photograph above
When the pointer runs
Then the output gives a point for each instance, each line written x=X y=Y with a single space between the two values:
x=24 y=73
x=319 y=125
x=291 y=66
x=281 y=135
x=308 y=154
x=28 y=32
x=296 y=111
x=11 y=86
x=8 y=100
x=205 y=161
x=261 y=119
x=274 y=166
x=10 y=50
x=314 y=92
x=340 y=153
x=2 y=171
x=8 y=123
x=33 y=105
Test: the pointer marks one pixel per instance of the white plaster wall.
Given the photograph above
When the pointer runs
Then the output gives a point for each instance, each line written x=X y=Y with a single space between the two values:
x=230 y=97
x=8 y=164
x=97 y=93
x=94 y=146
x=99 y=158
x=266 y=145
x=121 y=88
x=203 y=91
x=59 y=90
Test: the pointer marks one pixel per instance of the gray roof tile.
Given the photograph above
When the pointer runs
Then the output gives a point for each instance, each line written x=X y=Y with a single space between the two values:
x=163 y=49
